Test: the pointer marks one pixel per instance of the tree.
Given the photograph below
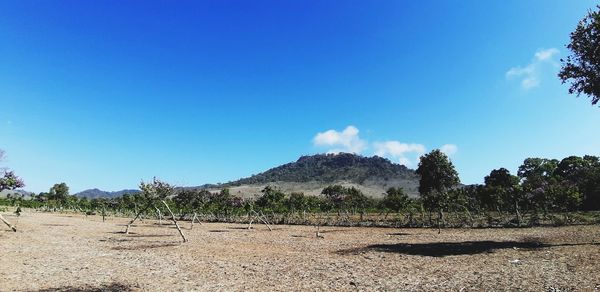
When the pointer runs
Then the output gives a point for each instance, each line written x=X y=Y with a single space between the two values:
x=335 y=194
x=272 y=199
x=580 y=175
x=437 y=177
x=395 y=199
x=583 y=66
x=537 y=175
x=59 y=192
x=191 y=200
x=502 y=191
x=9 y=181
x=152 y=194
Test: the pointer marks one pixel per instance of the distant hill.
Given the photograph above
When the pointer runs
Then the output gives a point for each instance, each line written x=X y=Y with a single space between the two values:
x=96 y=193
x=21 y=193
x=310 y=174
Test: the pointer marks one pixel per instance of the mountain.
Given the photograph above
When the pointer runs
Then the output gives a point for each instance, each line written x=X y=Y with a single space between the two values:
x=310 y=174
x=15 y=193
x=96 y=193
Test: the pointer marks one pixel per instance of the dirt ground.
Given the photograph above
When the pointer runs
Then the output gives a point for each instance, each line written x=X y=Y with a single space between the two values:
x=71 y=252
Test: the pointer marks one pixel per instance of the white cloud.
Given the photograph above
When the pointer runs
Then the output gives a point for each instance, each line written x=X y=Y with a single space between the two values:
x=449 y=149
x=404 y=153
x=530 y=74
x=349 y=141
x=543 y=55
x=344 y=141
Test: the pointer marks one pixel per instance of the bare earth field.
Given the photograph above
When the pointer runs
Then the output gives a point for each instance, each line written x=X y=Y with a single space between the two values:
x=70 y=252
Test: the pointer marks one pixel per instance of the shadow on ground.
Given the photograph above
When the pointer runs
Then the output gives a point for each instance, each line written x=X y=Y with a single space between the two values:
x=442 y=249
x=104 y=288
x=145 y=246
x=150 y=235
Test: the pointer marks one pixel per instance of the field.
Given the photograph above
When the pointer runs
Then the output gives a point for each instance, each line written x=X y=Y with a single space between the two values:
x=73 y=252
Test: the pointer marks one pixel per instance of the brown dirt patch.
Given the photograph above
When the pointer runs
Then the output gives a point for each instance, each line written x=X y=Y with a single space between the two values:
x=73 y=253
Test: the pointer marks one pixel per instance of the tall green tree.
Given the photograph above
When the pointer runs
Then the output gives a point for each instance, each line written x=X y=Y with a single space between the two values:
x=272 y=199
x=395 y=199
x=582 y=67
x=580 y=175
x=59 y=192
x=502 y=190
x=537 y=176
x=438 y=175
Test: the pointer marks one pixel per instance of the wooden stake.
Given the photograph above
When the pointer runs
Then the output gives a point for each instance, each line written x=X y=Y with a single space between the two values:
x=135 y=218
x=195 y=218
x=8 y=224
x=175 y=221
x=159 y=215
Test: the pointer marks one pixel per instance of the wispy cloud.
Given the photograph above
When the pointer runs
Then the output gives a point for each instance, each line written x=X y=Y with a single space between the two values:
x=404 y=153
x=449 y=149
x=344 y=141
x=530 y=73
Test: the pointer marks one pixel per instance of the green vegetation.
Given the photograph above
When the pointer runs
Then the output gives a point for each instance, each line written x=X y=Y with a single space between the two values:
x=438 y=176
x=582 y=68
x=8 y=179
x=544 y=191
x=330 y=168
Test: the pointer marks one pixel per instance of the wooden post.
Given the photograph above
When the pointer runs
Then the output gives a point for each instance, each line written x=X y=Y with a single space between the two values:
x=262 y=218
x=8 y=224
x=175 y=221
x=135 y=218
x=195 y=218
x=159 y=215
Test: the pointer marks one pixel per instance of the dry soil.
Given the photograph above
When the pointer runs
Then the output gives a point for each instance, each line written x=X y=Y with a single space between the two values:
x=72 y=252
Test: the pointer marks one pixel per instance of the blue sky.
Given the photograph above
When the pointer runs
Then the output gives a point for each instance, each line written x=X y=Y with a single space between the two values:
x=107 y=93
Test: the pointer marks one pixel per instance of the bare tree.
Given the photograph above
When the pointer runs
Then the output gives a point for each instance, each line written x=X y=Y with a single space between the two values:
x=154 y=193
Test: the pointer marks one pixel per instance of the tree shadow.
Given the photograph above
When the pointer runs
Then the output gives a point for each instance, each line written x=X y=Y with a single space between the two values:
x=150 y=235
x=398 y=234
x=103 y=288
x=332 y=230
x=121 y=232
x=442 y=249
x=145 y=246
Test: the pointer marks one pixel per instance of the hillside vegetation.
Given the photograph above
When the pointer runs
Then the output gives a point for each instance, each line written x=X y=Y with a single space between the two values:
x=310 y=174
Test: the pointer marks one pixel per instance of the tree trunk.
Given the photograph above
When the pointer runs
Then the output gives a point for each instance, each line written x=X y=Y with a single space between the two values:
x=193 y=219
x=175 y=221
x=135 y=218
x=518 y=214
x=440 y=220
x=159 y=215
x=8 y=224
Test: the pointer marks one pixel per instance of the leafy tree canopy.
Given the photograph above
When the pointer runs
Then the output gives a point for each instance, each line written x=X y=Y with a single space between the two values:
x=582 y=68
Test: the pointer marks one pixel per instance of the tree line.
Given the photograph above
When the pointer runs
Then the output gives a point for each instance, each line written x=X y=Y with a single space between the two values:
x=541 y=186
